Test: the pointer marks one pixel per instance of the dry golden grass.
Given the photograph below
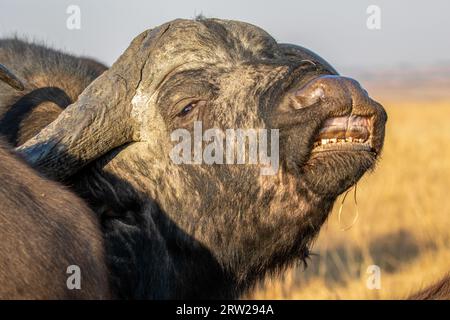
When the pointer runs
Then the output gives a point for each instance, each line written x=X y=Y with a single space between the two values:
x=404 y=220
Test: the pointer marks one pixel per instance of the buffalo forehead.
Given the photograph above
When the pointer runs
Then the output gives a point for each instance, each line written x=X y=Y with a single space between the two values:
x=214 y=40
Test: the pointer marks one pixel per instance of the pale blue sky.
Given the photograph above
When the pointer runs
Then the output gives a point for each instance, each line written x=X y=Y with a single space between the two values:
x=413 y=32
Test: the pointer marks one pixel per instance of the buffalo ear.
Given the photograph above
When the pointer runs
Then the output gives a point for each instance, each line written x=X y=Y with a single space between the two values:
x=9 y=78
x=107 y=115
x=305 y=54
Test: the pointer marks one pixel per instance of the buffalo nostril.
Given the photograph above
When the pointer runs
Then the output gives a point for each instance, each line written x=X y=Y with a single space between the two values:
x=318 y=89
x=306 y=97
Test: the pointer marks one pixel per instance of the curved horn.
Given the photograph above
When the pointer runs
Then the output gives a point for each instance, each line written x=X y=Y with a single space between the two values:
x=9 y=78
x=305 y=54
x=103 y=117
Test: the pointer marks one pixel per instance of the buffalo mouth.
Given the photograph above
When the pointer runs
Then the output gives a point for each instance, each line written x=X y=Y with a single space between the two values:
x=348 y=133
x=344 y=148
x=339 y=138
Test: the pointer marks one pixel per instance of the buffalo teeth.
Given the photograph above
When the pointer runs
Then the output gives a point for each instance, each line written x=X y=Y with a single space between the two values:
x=338 y=140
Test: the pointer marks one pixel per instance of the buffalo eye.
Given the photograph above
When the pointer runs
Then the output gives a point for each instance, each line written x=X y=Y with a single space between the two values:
x=188 y=108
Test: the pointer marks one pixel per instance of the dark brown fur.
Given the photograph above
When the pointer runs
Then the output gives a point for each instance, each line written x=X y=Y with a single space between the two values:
x=437 y=291
x=45 y=229
x=52 y=79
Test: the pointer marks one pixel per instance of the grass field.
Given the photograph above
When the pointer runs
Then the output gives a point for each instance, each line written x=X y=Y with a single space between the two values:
x=404 y=218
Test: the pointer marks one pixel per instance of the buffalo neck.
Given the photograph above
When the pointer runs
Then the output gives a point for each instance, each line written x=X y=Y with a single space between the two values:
x=152 y=256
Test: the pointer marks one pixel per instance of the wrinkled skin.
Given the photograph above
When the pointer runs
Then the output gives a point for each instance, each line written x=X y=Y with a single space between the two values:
x=208 y=231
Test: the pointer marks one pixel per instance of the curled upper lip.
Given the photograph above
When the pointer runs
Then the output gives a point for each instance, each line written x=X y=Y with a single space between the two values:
x=348 y=133
x=353 y=126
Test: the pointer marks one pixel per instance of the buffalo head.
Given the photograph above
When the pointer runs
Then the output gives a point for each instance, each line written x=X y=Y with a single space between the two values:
x=223 y=75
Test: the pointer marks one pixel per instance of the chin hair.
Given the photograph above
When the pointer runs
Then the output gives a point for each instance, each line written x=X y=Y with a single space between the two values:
x=334 y=173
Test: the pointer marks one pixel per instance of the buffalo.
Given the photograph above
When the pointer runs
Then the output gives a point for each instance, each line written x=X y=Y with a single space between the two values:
x=45 y=82
x=47 y=235
x=201 y=230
